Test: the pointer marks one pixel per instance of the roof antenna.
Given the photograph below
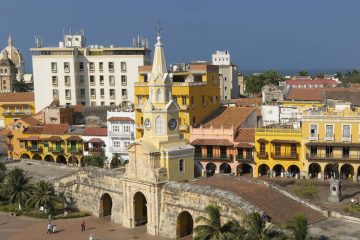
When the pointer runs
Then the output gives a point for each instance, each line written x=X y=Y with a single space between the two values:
x=158 y=27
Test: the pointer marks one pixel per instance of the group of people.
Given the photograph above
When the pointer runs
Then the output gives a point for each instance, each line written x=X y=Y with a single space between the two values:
x=51 y=228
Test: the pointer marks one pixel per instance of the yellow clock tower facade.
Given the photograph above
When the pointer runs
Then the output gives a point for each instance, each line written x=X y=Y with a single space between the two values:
x=161 y=155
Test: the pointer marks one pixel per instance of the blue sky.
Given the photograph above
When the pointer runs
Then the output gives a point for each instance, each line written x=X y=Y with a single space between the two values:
x=260 y=34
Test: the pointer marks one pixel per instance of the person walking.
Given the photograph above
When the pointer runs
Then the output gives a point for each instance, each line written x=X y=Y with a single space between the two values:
x=83 y=225
x=49 y=228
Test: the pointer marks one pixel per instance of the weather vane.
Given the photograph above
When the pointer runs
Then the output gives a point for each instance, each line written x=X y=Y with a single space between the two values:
x=158 y=27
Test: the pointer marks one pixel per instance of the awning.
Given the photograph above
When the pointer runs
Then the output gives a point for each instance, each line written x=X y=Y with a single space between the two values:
x=279 y=141
x=263 y=140
x=96 y=140
x=212 y=142
x=245 y=145
x=74 y=138
x=31 y=138
x=53 y=139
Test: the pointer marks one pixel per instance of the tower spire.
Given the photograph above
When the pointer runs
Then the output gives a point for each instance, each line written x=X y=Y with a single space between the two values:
x=10 y=41
x=159 y=62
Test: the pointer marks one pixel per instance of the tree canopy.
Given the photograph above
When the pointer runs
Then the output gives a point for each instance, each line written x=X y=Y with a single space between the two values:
x=255 y=82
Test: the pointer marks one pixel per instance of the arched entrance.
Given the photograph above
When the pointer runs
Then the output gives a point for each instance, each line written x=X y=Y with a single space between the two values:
x=61 y=159
x=140 y=209
x=73 y=161
x=263 y=170
x=49 y=158
x=314 y=170
x=198 y=169
x=243 y=169
x=329 y=170
x=105 y=205
x=184 y=224
x=210 y=169
x=25 y=156
x=278 y=169
x=36 y=157
x=293 y=170
x=225 y=168
x=346 y=171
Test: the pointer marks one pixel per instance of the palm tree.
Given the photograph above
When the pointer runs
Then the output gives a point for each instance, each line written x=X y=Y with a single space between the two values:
x=20 y=86
x=17 y=186
x=212 y=228
x=298 y=227
x=43 y=194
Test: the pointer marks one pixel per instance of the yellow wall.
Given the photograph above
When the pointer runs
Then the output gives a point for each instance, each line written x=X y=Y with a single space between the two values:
x=22 y=107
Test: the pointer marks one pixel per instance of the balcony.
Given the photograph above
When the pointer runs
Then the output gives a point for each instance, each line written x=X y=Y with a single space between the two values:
x=117 y=150
x=34 y=149
x=96 y=150
x=213 y=157
x=121 y=134
x=74 y=150
x=346 y=138
x=17 y=113
x=245 y=158
x=314 y=137
x=56 y=149
x=112 y=96
x=285 y=156
x=329 y=138
x=92 y=96
x=333 y=157
x=262 y=154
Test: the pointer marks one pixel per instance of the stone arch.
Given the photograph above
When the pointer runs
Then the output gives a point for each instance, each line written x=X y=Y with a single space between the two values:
x=263 y=169
x=73 y=160
x=293 y=170
x=329 y=170
x=25 y=156
x=61 y=159
x=140 y=209
x=105 y=205
x=49 y=158
x=314 y=169
x=184 y=224
x=278 y=169
x=36 y=156
x=244 y=168
x=225 y=168
x=210 y=168
x=346 y=171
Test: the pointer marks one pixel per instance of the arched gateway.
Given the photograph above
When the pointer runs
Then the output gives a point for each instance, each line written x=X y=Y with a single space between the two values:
x=140 y=209
x=105 y=205
x=184 y=224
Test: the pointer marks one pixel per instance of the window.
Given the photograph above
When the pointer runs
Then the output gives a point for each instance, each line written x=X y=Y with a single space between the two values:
x=101 y=80
x=83 y=103
x=124 y=93
x=123 y=66
x=81 y=78
x=101 y=66
x=92 y=92
x=209 y=151
x=111 y=66
x=112 y=103
x=66 y=67
x=92 y=104
x=183 y=100
x=328 y=151
x=293 y=150
x=262 y=148
x=159 y=125
x=192 y=100
x=68 y=93
x=139 y=99
x=158 y=95
x=112 y=80
x=102 y=92
x=55 y=93
x=92 y=80
x=67 y=80
x=112 y=93
x=222 y=152
x=115 y=128
x=313 y=130
x=116 y=143
x=346 y=131
x=54 y=67
x=277 y=150
x=81 y=66
x=54 y=80
x=126 y=143
x=91 y=67
x=329 y=131
x=126 y=128
x=102 y=103
x=123 y=80
x=181 y=165
x=313 y=150
x=82 y=93
x=346 y=152
x=203 y=99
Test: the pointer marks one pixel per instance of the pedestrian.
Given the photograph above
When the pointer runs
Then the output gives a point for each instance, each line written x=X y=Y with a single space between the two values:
x=49 y=228
x=83 y=225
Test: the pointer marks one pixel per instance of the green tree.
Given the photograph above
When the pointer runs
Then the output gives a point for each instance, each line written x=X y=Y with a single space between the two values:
x=20 y=86
x=255 y=82
x=303 y=73
x=298 y=227
x=212 y=228
x=43 y=194
x=94 y=160
x=17 y=186
x=2 y=171
x=255 y=228
x=115 y=161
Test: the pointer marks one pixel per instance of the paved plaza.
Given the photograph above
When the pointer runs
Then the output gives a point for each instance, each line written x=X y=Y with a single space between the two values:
x=336 y=229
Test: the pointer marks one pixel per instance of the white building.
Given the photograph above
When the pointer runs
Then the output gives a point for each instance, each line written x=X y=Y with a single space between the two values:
x=121 y=133
x=290 y=116
x=228 y=75
x=95 y=141
x=270 y=114
x=91 y=76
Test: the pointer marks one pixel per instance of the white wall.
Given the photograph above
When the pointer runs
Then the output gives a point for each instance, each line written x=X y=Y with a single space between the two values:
x=270 y=114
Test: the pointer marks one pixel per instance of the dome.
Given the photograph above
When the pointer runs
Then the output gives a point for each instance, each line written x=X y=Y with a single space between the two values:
x=13 y=53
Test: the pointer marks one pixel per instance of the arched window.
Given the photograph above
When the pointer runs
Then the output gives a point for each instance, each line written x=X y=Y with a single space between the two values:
x=1 y=71
x=159 y=124
x=158 y=95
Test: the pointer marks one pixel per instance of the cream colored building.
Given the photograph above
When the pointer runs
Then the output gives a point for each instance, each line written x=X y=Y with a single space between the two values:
x=91 y=76
x=15 y=56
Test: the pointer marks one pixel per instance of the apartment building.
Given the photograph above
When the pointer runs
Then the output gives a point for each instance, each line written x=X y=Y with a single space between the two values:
x=91 y=75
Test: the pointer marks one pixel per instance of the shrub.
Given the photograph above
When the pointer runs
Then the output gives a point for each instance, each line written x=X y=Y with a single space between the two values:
x=73 y=215
x=306 y=189
x=353 y=208
x=95 y=161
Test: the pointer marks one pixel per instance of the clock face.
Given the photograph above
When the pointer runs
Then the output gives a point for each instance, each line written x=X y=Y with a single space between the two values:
x=147 y=123
x=172 y=124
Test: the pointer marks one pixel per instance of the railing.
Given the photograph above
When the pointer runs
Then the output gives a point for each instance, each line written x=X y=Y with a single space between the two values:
x=221 y=157
x=262 y=154
x=346 y=138
x=244 y=158
x=16 y=113
x=329 y=138
x=188 y=83
x=332 y=156
x=113 y=149
x=34 y=149
x=285 y=156
x=278 y=130
x=56 y=149
x=124 y=134
x=96 y=150
x=74 y=150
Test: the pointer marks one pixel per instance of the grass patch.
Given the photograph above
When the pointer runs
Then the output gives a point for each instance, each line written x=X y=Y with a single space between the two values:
x=306 y=189
x=353 y=209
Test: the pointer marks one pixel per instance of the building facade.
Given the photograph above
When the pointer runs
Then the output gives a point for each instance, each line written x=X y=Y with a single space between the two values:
x=91 y=76
x=17 y=69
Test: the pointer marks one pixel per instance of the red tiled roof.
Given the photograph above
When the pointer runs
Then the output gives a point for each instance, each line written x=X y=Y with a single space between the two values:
x=228 y=117
x=17 y=97
x=6 y=132
x=121 y=119
x=95 y=131
x=317 y=81
x=77 y=108
x=245 y=135
x=95 y=140
x=318 y=94
x=53 y=139
x=245 y=145
x=212 y=142
x=55 y=129
x=31 y=138
x=31 y=121
x=74 y=138
x=244 y=102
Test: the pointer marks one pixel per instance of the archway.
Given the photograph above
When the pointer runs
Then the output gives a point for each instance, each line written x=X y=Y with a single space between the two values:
x=25 y=156
x=61 y=159
x=263 y=170
x=36 y=157
x=49 y=158
x=72 y=160
x=243 y=169
x=105 y=205
x=314 y=169
x=225 y=168
x=278 y=169
x=329 y=170
x=198 y=169
x=210 y=169
x=346 y=171
x=140 y=209
x=293 y=170
x=184 y=224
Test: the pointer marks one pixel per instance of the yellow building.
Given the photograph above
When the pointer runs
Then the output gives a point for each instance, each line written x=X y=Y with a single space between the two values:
x=195 y=88
x=278 y=152
x=14 y=106
x=331 y=139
